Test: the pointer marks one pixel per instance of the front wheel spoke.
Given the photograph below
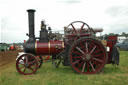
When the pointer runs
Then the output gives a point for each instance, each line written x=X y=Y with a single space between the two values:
x=22 y=66
x=92 y=49
x=80 y=50
x=83 y=67
x=31 y=68
x=31 y=62
x=24 y=70
x=92 y=66
x=98 y=60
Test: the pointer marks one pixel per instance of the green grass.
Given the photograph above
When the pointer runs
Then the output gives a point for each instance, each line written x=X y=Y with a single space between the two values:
x=48 y=75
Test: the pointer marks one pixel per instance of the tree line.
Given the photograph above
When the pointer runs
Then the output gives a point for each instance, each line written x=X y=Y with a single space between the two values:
x=122 y=34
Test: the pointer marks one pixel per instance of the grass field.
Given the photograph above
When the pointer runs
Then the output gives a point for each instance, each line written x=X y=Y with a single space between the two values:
x=48 y=75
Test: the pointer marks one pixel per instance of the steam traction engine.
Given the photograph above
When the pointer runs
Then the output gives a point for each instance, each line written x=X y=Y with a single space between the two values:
x=80 y=48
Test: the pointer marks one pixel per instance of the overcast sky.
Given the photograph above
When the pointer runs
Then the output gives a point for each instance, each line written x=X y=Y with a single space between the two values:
x=111 y=15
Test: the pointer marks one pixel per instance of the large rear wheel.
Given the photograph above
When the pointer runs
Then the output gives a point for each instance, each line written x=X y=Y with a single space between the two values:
x=87 y=56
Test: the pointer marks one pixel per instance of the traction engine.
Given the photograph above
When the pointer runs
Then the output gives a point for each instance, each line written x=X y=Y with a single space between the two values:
x=80 y=48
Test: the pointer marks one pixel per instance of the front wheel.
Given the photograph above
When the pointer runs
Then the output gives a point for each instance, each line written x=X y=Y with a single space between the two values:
x=27 y=64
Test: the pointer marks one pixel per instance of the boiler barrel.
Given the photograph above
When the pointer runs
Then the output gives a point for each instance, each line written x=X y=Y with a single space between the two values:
x=51 y=47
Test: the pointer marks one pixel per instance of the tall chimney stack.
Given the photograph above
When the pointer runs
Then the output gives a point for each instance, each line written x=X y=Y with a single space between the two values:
x=31 y=24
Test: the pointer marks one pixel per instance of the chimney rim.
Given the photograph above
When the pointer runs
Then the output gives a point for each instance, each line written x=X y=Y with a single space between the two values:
x=31 y=10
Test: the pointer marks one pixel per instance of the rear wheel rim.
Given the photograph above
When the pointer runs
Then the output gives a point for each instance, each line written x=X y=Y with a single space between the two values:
x=87 y=56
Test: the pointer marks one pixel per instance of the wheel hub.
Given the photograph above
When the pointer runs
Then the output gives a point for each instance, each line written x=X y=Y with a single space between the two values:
x=26 y=65
x=87 y=56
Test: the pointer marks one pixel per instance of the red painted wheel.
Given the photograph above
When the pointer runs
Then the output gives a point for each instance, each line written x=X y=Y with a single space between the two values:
x=87 y=56
x=27 y=64
x=77 y=29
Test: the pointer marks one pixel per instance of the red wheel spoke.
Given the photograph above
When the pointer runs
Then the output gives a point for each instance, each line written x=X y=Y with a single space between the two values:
x=92 y=49
x=83 y=67
x=80 y=50
x=80 y=64
x=96 y=51
x=77 y=57
x=73 y=28
x=31 y=68
x=82 y=27
x=22 y=66
x=76 y=62
x=97 y=55
x=24 y=70
x=86 y=44
x=31 y=62
x=92 y=66
x=88 y=67
x=98 y=60
x=76 y=52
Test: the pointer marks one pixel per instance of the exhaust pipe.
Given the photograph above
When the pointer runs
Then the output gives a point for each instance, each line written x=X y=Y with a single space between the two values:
x=31 y=24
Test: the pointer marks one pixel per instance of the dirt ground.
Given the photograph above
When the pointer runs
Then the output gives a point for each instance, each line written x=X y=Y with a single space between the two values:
x=7 y=57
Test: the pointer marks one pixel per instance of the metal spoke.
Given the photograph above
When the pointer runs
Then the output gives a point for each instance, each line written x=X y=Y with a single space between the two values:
x=97 y=55
x=92 y=66
x=22 y=66
x=86 y=47
x=87 y=67
x=76 y=62
x=82 y=27
x=77 y=57
x=31 y=68
x=98 y=60
x=73 y=28
x=75 y=52
x=83 y=67
x=80 y=64
x=31 y=62
x=24 y=69
x=92 y=49
x=80 y=50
